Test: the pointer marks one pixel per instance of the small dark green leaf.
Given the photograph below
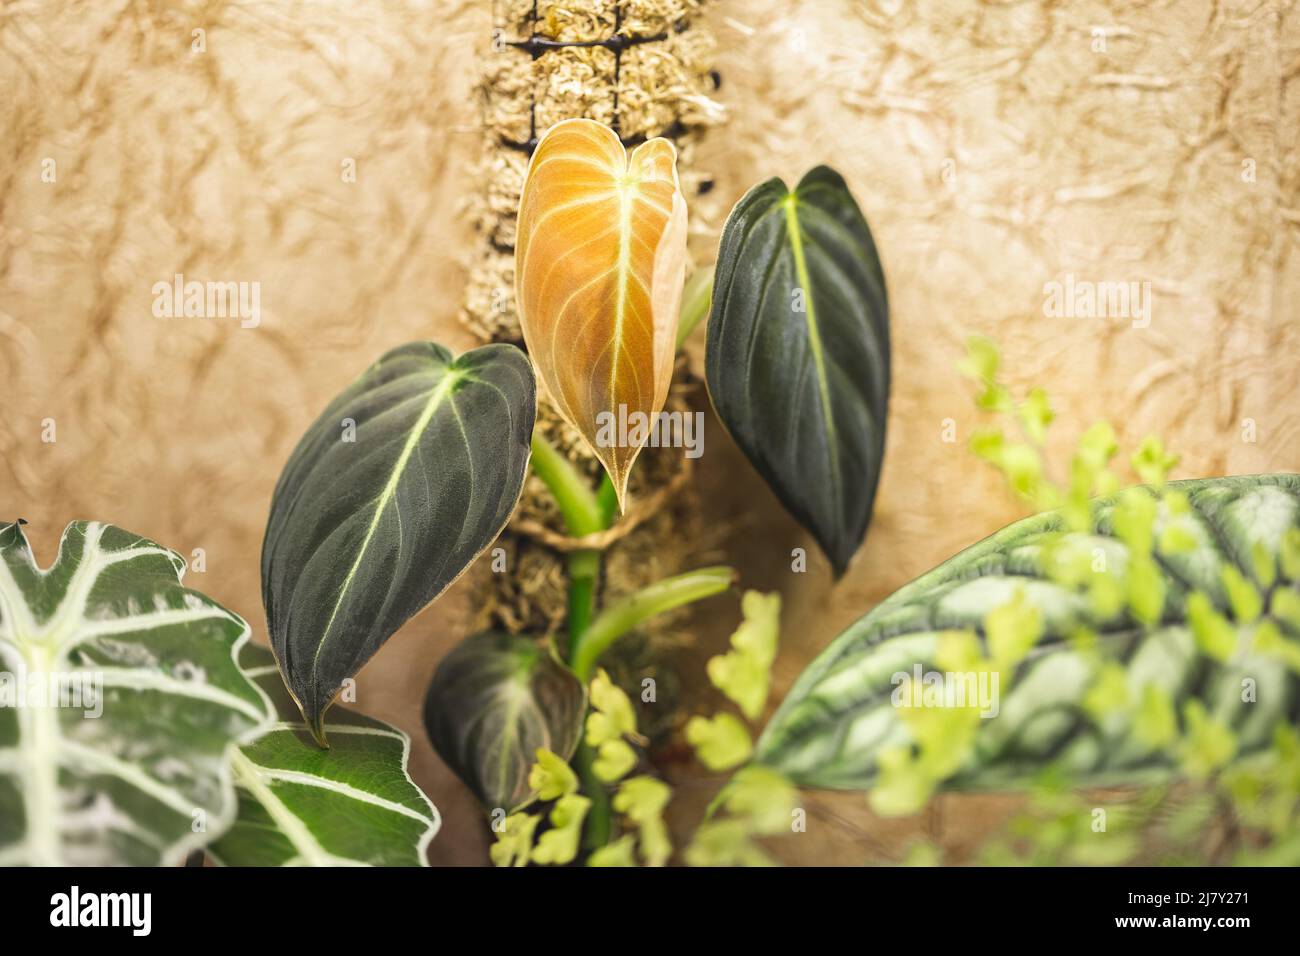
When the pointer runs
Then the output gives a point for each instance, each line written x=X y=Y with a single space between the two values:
x=840 y=715
x=390 y=495
x=494 y=700
x=798 y=352
x=353 y=804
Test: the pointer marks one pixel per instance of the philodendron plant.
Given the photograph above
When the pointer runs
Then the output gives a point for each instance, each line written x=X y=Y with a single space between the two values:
x=1125 y=638
x=187 y=737
x=412 y=471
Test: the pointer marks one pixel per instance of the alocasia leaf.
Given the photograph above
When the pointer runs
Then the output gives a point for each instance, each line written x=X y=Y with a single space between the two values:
x=496 y=700
x=839 y=726
x=600 y=260
x=120 y=703
x=393 y=491
x=351 y=805
x=797 y=359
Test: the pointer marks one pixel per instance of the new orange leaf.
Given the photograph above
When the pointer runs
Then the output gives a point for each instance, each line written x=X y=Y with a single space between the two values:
x=600 y=258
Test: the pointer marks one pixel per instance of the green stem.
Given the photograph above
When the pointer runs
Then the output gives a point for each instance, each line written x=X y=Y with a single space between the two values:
x=607 y=499
x=697 y=297
x=584 y=572
x=578 y=504
x=584 y=566
x=583 y=514
x=600 y=822
x=621 y=617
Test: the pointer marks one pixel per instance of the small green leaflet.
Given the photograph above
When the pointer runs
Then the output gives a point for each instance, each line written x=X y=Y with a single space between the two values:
x=839 y=717
x=493 y=703
x=391 y=494
x=797 y=359
x=351 y=805
x=149 y=778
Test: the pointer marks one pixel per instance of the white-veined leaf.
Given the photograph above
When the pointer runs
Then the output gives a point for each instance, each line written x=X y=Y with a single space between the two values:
x=351 y=805
x=125 y=757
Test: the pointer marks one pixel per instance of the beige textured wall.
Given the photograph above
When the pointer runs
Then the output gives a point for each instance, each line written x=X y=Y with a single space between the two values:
x=992 y=147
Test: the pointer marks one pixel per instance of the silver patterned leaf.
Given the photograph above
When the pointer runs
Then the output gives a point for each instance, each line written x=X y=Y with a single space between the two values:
x=841 y=713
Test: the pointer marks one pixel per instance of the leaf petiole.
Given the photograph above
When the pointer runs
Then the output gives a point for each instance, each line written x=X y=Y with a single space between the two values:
x=697 y=298
x=578 y=504
x=583 y=514
x=622 y=616
x=586 y=512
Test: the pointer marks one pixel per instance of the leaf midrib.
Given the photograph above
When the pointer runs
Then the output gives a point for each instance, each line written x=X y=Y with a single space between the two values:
x=623 y=267
x=43 y=648
x=794 y=230
x=443 y=389
x=249 y=776
x=39 y=734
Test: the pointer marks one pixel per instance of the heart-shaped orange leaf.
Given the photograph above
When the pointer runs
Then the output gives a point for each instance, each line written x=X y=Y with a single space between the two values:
x=600 y=258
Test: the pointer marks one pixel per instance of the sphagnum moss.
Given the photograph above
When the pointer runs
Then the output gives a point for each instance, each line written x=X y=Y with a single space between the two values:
x=652 y=77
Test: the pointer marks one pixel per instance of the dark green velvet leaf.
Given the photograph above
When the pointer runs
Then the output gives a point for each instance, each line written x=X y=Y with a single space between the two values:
x=391 y=494
x=493 y=702
x=798 y=352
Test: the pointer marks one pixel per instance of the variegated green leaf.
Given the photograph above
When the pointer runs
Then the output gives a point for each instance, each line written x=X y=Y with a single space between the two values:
x=351 y=805
x=120 y=703
x=839 y=717
x=395 y=489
